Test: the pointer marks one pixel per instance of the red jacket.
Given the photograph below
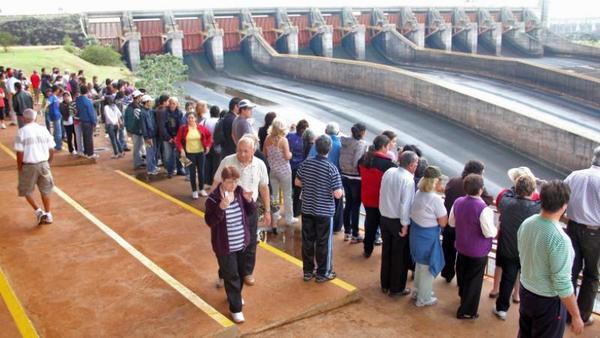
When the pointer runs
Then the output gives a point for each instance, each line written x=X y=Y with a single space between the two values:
x=35 y=81
x=205 y=137
x=371 y=175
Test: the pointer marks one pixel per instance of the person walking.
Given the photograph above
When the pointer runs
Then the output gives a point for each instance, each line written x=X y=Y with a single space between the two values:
x=321 y=184
x=546 y=257
x=113 y=121
x=228 y=212
x=35 y=149
x=87 y=121
x=193 y=140
x=297 y=148
x=150 y=133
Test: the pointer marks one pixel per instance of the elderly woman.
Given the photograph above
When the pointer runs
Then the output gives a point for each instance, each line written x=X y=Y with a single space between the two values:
x=475 y=229
x=277 y=150
x=427 y=215
x=228 y=209
x=195 y=140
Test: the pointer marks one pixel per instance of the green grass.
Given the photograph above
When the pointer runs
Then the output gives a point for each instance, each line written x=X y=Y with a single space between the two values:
x=36 y=57
x=591 y=43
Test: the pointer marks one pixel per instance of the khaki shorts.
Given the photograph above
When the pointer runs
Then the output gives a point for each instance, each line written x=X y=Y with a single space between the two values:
x=33 y=174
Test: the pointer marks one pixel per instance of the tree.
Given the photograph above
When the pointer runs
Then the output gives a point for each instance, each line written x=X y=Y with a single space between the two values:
x=161 y=74
x=101 y=55
x=7 y=39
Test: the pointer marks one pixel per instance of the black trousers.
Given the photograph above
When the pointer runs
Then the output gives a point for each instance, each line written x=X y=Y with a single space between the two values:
x=352 y=207
x=211 y=164
x=469 y=275
x=231 y=269
x=510 y=270
x=297 y=202
x=71 y=139
x=586 y=243
x=338 y=218
x=541 y=316
x=317 y=244
x=372 y=220
x=449 y=236
x=87 y=132
x=250 y=252
x=395 y=256
x=196 y=170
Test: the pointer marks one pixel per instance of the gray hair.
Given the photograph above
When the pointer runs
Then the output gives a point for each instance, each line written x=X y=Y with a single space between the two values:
x=251 y=139
x=596 y=158
x=332 y=128
x=407 y=158
x=30 y=114
x=323 y=145
x=309 y=135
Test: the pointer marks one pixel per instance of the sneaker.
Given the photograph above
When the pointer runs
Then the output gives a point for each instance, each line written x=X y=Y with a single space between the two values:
x=499 y=314
x=325 y=278
x=114 y=156
x=356 y=239
x=195 y=195
x=122 y=155
x=308 y=276
x=154 y=173
x=39 y=215
x=589 y=322
x=220 y=283
x=47 y=218
x=431 y=301
x=292 y=221
x=378 y=242
x=249 y=280
x=347 y=237
x=402 y=293
x=238 y=317
x=74 y=153
x=203 y=193
x=93 y=157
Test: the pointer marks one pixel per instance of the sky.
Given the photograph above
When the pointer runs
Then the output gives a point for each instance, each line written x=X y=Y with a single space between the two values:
x=559 y=9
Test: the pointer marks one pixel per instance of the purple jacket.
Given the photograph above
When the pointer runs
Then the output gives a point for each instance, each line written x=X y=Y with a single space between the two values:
x=215 y=219
x=469 y=238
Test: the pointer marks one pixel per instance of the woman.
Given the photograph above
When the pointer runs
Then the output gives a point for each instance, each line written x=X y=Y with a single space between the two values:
x=353 y=149
x=196 y=140
x=297 y=148
x=393 y=148
x=308 y=140
x=428 y=215
x=371 y=168
x=264 y=130
x=277 y=150
x=112 y=118
x=67 y=110
x=201 y=109
x=227 y=210
x=475 y=229
x=2 y=105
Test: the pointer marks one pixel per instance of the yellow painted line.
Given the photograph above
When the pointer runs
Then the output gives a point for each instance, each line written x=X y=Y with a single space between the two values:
x=344 y=285
x=16 y=309
x=162 y=274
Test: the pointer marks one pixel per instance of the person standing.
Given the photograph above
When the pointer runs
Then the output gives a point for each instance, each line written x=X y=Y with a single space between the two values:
x=34 y=146
x=193 y=140
x=228 y=142
x=396 y=196
x=583 y=228
x=35 y=86
x=87 y=121
x=475 y=229
x=321 y=183
x=55 y=116
x=150 y=134
x=3 y=105
x=263 y=131
x=132 y=120
x=241 y=125
x=297 y=148
x=113 y=120
x=214 y=155
x=67 y=111
x=546 y=257
x=21 y=100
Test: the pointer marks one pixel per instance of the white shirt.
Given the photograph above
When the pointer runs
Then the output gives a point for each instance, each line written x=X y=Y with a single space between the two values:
x=11 y=84
x=584 y=204
x=34 y=141
x=427 y=207
x=211 y=123
x=112 y=114
x=397 y=194
x=486 y=221
x=252 y=176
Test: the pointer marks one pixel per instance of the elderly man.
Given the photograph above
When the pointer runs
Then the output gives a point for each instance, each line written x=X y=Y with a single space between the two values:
x=320 y=182
x=583 y=213
x=34 y=146
x=395 y=200
x=254 y=179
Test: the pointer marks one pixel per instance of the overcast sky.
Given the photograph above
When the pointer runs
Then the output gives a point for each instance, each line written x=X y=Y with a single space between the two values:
x=558 y=8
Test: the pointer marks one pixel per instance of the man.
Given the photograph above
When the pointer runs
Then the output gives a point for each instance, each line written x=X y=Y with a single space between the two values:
x=395 y=200
x=132 y=118
x=10 y=85
x=169 y=120
x=320 y=182
x=546 y=258
x=583 y=228
x=241 y=125
x=254 y=178
x=55 y=116
x=87 y=121
x=73 y=85
x=150 y=134
x=228 y=143
x=35 y=85
x=21 y=101
x=33 y=145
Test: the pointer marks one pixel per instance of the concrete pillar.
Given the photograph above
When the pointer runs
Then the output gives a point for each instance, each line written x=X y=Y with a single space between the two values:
x=418 y=36
x=174 y=43
x=529 y=42
x=410 y=28
x=287 y=39
x=321 y=42
x=354 y=42
x=131 y=49
x=439 y=33
x=466 y=39
x=393 y=45
x=213 y=47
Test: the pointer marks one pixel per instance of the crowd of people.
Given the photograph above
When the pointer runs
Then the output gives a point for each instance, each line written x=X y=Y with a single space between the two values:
x=427 y=223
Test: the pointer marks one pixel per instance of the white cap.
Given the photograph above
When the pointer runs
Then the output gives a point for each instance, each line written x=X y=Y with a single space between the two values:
x=146 y=98
x=246 y=104
x=136 y=93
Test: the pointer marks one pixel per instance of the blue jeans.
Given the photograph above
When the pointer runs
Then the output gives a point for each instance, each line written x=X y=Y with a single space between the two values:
x=112 y=131
x=123 y=138
x=138 y=143
x=168 y=156
x=151 y=156
x=58 y=133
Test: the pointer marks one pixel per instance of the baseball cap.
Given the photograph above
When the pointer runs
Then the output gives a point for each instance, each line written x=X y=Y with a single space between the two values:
x=246 y=104
x=136 y=93
x=147 y=98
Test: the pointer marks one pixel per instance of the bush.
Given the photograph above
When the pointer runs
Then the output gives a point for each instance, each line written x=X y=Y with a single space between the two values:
x=7 y=39
x=101 y=55
x=68 y=44
x=160 y=74
x=43 y=30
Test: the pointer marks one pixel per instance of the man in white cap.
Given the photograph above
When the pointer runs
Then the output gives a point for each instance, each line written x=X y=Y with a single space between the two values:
x=34 y=146
x=133 y=126
x=241 y=124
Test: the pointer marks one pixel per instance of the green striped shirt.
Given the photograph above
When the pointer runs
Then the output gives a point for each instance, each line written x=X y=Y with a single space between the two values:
x=546 y=256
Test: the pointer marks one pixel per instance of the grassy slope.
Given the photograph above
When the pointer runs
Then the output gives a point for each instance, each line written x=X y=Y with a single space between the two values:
x=36 y=57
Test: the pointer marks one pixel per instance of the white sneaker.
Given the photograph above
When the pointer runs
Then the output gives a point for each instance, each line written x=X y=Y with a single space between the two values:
x=47 y=218
x=114 y=156
x=74 y=153
x=195 y=195
x=39 y=215
x=431 y=301
x=499 y=314
x=238 y=317
x=203 y=193
x=292 y=221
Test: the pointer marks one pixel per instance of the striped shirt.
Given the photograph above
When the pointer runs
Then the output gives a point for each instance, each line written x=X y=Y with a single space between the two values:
x=235 y=227
x=320 y=178
x=546 y=256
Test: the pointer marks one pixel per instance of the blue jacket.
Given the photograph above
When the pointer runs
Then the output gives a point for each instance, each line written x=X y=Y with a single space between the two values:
x=85 y=109
x=334 y=153
x=425 y=247
x=148 y=124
